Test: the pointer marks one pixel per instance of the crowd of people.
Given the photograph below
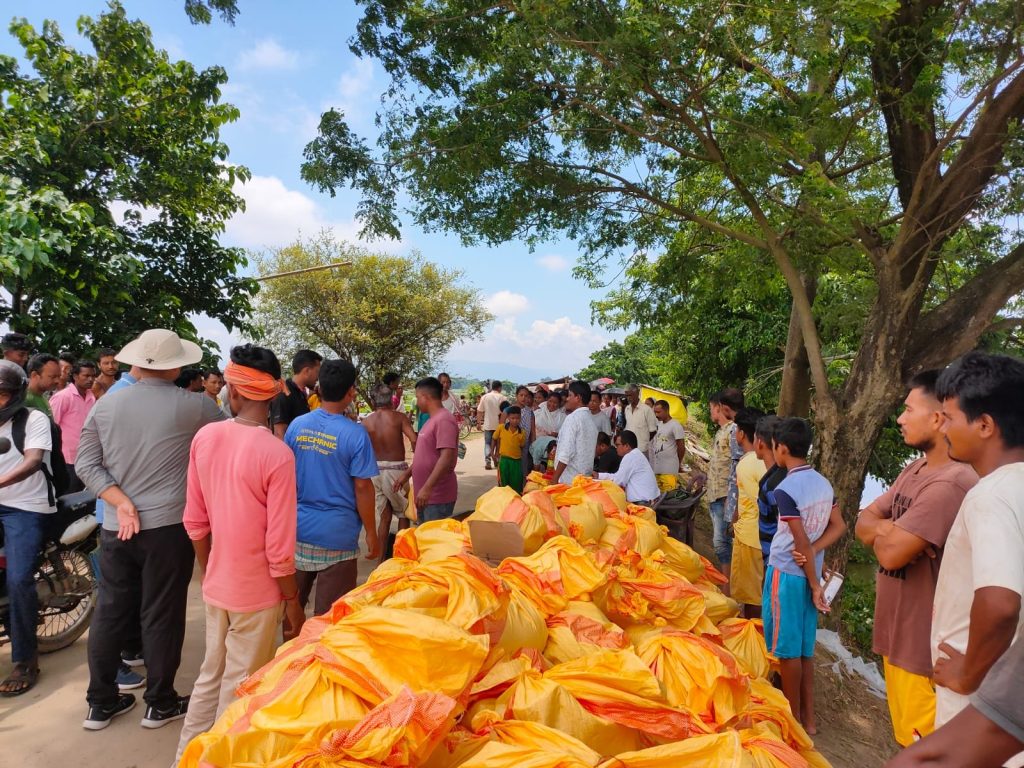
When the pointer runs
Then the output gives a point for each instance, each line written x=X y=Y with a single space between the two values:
x=272 y=485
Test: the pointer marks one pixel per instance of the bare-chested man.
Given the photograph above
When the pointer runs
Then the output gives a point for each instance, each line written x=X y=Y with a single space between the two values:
x=388 y=430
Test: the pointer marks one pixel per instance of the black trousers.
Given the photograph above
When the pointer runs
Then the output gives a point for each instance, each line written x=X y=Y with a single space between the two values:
x=150 y=573
x=331 y=583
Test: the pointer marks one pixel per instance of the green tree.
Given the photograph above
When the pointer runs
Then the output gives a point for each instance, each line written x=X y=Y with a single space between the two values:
x=878 y=141
x=630 y=361
x=383 y=313
x=122 y=128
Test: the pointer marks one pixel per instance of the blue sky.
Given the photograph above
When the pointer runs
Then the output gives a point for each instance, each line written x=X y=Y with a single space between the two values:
x=287 y=63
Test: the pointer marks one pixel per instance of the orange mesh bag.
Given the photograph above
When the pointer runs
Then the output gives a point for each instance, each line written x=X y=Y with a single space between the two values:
x=719 y=750
x=502 y=504
x=459 y=589
x=744 y=638
x=697 y=674
x=637 y=591
x=580 y=630
x=402 y=731
x=432 y=541
x=559 y=571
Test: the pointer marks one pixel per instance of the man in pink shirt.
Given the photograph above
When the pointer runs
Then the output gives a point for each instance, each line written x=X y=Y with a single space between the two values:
x=70 y=407
x=240 y=514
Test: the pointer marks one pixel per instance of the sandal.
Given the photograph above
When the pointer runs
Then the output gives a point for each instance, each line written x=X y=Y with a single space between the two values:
x=21 y=680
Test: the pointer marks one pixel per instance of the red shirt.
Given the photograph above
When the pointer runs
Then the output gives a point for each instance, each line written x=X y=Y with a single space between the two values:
x=441 y=431
x=241 y=489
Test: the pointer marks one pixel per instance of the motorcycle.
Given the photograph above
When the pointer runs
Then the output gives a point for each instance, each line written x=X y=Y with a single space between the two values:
x=65 y=579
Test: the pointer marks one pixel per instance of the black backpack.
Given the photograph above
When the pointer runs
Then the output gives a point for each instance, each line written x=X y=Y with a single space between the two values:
x=57 y=477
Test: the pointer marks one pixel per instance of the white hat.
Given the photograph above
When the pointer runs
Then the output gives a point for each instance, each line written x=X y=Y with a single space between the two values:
x=160 y=350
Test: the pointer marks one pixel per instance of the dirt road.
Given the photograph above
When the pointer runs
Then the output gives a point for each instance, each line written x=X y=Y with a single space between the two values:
x=44 y=727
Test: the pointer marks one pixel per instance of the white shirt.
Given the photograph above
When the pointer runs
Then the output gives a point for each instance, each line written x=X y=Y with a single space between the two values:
x=641 y=421
x=490 y=404
x=662 y=450
x=31 y=493
x=548 y=420
x=577 y=444
x=601 y=421
x=636 y=476
x=451 y=404
x=985 y=548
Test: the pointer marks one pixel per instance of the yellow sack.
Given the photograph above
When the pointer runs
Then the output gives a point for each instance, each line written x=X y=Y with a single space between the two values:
x=682 y=560
x=249 y=749
x=580 y=630
x=524 y=624
x=461 y=744
x=697 y=674
x=497 y=755
x=718 y=606
x=502 y=504
x=586 y=521
x=610 y=497
x=432 y=541
x=638 y=593
x=556 y=520
x=719 y=750
x=744 y=638
x=460 y=589
x=768 y=751
x=625 y=534
x=559 y=571
x=639 y=510
x=770 y=707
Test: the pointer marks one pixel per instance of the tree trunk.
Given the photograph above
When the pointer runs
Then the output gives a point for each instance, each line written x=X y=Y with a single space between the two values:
x=795 y=392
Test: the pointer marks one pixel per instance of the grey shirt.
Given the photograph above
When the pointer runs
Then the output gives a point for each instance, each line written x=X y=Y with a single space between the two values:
x=139 y=441
x=999 y=698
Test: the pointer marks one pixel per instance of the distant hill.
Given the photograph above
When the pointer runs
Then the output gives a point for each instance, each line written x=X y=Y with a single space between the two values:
x=477 y=371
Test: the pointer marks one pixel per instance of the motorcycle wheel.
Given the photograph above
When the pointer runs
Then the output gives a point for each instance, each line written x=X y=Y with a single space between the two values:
x=59 y=629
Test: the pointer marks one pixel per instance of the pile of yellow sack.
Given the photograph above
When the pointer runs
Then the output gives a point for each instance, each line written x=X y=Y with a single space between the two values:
x=607 y=644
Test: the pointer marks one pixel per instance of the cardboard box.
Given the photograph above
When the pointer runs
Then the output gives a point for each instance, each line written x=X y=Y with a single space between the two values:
x=494 y=541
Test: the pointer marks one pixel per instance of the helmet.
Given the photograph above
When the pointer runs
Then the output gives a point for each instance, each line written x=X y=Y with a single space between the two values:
x=12 y=377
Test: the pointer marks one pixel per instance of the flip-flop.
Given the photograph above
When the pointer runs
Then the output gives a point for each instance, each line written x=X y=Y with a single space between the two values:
x=22 y=673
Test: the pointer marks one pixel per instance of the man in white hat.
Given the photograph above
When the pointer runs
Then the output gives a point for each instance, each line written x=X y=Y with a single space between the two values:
x=134 y=455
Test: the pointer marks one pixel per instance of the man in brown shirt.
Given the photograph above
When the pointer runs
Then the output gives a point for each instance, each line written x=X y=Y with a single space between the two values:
x=388 y=431
x=907 y=527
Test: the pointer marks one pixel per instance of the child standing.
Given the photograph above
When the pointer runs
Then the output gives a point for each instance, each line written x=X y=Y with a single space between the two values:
x=792 y=593
x=507 y=449
x=746 y=578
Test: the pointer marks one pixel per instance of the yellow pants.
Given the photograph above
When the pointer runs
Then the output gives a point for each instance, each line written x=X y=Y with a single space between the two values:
x=911 y=704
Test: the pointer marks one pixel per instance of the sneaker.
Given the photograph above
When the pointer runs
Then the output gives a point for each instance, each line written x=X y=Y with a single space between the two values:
x=159 y=717
x=132 y=658
x=100 y=717
x=487 y=465
x=128 y=679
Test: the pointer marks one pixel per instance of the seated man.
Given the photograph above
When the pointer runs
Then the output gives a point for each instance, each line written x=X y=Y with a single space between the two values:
x=635 y=474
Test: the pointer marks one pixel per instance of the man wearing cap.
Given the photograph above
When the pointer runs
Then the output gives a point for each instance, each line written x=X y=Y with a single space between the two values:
x=24 y=504
x=240 y=515
x=17 y=348
x=134 y=455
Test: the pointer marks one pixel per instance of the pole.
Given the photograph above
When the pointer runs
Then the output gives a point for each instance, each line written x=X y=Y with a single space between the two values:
x=303 y=271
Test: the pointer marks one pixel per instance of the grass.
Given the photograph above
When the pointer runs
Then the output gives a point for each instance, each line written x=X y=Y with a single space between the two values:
x=856 y=619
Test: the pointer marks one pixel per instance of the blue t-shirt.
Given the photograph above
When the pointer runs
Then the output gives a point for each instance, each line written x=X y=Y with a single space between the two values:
x=330 y=450
x=806 y=495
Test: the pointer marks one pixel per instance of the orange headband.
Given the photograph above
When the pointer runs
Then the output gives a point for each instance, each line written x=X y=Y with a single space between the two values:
x=253 y=384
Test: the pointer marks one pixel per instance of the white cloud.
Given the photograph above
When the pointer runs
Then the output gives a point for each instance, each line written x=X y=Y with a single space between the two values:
x=559 y=345
x=119 y=208
x=356 y=80
x=268 y=54
x=553 y=262
x=507 y=304
x=275 y=215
